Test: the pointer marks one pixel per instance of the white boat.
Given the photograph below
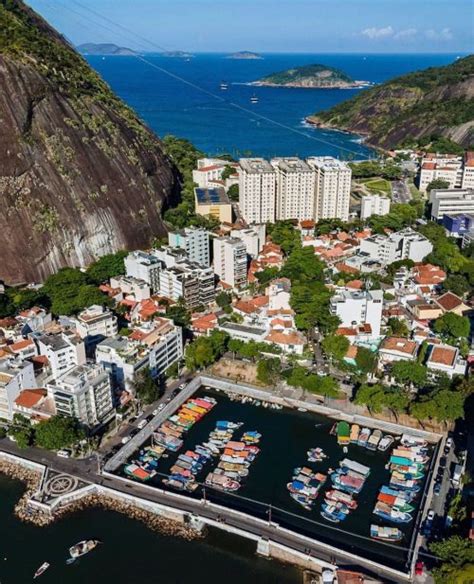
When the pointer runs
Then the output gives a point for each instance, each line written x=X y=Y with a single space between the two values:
x=385 y=443
x=41 y=570
x=360 y=469
x=82 y=548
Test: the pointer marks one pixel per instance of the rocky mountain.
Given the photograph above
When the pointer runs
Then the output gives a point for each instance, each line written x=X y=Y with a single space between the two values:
x=80 y=175
x=438 y=101
x=106 y=49
x=310 y=76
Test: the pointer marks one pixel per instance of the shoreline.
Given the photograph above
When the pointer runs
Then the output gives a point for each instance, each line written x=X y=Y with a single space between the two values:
x=296 y=85
x=26 y=513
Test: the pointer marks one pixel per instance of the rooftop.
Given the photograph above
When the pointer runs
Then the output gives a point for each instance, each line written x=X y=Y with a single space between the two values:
x=256 y=165
x=443 y=355
x=399 y=344
x=211 y=196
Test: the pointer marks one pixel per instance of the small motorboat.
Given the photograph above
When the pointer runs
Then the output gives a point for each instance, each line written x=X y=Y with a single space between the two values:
x=81 y=549
x=41 y=570
x=254 y=99
x=224 y=86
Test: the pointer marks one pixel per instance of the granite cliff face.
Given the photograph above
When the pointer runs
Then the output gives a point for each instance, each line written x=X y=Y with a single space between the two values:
x=80 y=175
x=435 y=102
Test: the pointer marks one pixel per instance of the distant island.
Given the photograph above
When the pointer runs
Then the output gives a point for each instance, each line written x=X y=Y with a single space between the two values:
x=311 y=77
x=104 y=49
x=178 y=55
x=244 y=55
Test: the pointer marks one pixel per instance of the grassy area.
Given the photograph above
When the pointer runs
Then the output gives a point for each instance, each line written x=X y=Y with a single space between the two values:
x=415 y=193
x=377 y=185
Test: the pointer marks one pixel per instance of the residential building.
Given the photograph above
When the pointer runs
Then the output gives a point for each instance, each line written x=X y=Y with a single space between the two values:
x=374 y=205
x=253 y=238
x=450 y=302
x=143 y=266
x=458 y=225
x=257 y=190
x=451 y=202
x=213 y=202
x=196 y=243
x=295 y=188
x=95 y=323
x=64 y=350
x=332 y=188
x=34 y=319
x=84 y=393
x=445 y=167
x=230 y=261
x=131 y=286
x=15 y=375
x=156 y=345
x=468 y=174
x=359 y=307
x=423 y=310
x=394 y=349
x=35 y=404
x=209 y=171
x=192 y=283
x=401 y=245
x=445 y=359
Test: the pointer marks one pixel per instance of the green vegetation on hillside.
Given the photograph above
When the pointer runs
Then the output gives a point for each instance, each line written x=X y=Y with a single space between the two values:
x=316 y=75
x=420 y=107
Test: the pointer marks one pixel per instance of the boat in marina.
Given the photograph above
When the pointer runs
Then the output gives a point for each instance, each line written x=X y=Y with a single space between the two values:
x=356 y=467
x=374 y=440
x=409 y=440
x=251 y=437
x=137 y=472
x=340 y=497
x=302 y=500
x=316 y=455
x=364 y=436
x=330 y=513
x=385 y=443
x=384 y=533
x=222 y=482
x=348 y=482
x=41 y=570
x=397 y=503
x=355 y=431
x=405 y=495
x=390 y=514
x=224 y=425
x=81 y=549
x=405 y=485
x=343 y=433
x=337 y=505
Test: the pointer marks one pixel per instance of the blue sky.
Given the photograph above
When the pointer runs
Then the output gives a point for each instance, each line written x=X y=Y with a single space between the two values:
x=395 y=26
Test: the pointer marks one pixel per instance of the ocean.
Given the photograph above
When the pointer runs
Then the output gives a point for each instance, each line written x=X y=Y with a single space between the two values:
x=129 y=554
x=274 y=126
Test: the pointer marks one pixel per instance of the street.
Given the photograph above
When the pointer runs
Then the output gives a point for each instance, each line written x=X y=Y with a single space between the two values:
x=400 y=191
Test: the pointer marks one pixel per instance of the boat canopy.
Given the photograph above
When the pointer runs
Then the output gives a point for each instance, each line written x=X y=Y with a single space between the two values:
x=356 y=467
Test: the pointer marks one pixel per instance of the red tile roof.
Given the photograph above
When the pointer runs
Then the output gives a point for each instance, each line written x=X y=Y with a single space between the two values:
x=284 y=339
x=449 y=301
x=443 y=356
x=30 y=397
x=399 y=344
x=20 y=345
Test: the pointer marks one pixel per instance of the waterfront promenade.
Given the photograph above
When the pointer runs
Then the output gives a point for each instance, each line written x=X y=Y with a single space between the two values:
x=285 y=544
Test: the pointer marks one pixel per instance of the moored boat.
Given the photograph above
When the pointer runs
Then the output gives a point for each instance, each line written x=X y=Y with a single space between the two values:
x=364 y=436
x=82 y=548
x=388 y=513
x=302 y=500
x=385 y=443
x=374 y=440
x=360 y=469
x=330 y=513
x=339 y=496
x=384 y=533
x=41 y=570
x=355 y=431
x=343 y=432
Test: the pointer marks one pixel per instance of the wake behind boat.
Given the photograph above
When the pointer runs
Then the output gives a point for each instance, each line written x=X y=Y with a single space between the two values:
x=81 y=549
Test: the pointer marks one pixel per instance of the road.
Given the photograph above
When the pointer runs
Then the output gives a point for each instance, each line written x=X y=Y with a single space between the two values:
x=400 y=191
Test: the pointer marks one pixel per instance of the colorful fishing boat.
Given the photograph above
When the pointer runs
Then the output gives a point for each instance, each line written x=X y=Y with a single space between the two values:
x=343 y=432
x=355 y=431
x=385 y=443
x=330 y=513
x=374 y=440
x=137 y=472
x=364 y=436
x=389 y=514
x=356 y=467
x=392 y=534
x=340 y=497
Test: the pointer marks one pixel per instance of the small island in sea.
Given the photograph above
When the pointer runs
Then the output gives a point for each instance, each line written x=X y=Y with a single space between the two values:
x=311 y=77
x=104 y=49
x=244 y=55
x=178 y=55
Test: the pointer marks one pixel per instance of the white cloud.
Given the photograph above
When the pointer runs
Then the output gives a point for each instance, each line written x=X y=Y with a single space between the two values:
x=444 y=34
x=378 y=33
x=405 y=33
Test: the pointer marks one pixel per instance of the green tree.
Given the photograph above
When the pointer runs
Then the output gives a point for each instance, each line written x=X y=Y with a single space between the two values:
x=58 y=432
x=268 y=371
x=457 y=560
x=335 y=346
x=107 y=267
x=22 y=436
x=398 y=327
x=365 y=360
x=407 y=372
x=372 y=396
x=233 y=192
x=452 y=326
x=146 y=387
x=223 y=299
x=179 y=315
x=457 y=284
x=284 y=234
x=228 y=172
x=437 y=183
x=206 y=350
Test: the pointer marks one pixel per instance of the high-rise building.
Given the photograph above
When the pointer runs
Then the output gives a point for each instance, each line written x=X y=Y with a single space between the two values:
x=195 y=241
x=294 y=188
x=451 y=202
x=143 y=266
x=64 y=350
x=253 y=237
x=257 y=190
x=356 y=308
x=230 y=261
x=332 y=188
x=374 y=205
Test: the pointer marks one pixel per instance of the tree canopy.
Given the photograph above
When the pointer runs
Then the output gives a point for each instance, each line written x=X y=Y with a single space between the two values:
x=335 y=346
x=407 y=372
x=452 y=326
x=107 y=267
x=58 y=432
x=205 y=351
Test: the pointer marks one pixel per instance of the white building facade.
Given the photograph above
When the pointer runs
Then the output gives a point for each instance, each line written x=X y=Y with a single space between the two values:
x=257 y=190
x=64 y=351
x=194 y=241
x=374 y=205
x=294 y=189
x=451 y=202
x=332 y=188
x=361 y=307
x=15 y=375
x=143 y=266
x=402 y=245
x=230 y=261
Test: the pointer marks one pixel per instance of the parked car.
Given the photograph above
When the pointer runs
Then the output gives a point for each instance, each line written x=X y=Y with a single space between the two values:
x=419 y=567
x=149 y=418
x=142 y=423
x=134 y=432
x=437 y=489
x=64 y=453
x=430 y=516
x=126 y=439
x=449 y=444
x=182 y=386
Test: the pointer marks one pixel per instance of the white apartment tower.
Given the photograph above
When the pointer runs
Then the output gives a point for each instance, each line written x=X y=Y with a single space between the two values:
x=356 y=308
x=195 y=241
x=332 y=188
x=374 y=205
x=143 y=266
x=257 y=187
x=230 y=261
x=294 y=188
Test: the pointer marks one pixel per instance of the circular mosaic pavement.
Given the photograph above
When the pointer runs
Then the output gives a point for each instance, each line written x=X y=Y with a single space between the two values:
x=60 y=485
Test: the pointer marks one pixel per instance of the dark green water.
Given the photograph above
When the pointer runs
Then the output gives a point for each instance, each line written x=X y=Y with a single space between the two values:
x=130 y=553
x=286 y=436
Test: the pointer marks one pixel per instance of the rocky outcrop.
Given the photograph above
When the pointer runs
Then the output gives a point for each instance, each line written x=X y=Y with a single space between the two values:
x=436 y=102
x=80 y=175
